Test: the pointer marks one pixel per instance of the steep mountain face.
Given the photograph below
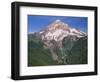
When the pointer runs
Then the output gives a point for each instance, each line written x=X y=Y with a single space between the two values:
x=75 y=52
x=58 y=30
x=63 y=43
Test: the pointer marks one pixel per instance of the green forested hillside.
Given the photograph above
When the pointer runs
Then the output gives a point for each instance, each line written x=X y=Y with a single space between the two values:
x=37 y=55
x=74 y=52
x=78 y=53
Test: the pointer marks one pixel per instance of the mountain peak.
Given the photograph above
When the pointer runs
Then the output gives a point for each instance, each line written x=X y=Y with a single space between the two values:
x=57 y=24
x=58 y=30
x=57 y=20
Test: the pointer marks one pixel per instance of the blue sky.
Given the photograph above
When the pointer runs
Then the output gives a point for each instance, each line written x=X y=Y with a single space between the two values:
x=39 y=22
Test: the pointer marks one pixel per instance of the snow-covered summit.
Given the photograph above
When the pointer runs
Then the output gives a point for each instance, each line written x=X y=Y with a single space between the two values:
x=58 y=30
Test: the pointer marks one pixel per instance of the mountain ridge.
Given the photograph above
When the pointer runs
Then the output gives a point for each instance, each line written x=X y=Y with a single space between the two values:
x=59 y=29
